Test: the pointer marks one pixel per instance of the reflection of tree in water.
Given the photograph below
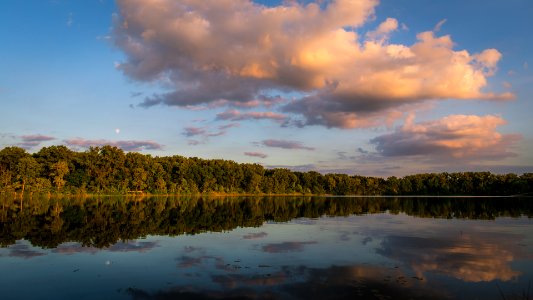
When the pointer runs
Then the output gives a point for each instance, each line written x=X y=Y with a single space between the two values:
x=101 y=222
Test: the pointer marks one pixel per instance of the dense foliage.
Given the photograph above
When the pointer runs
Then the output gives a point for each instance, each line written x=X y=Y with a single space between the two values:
x=102 y=221
x=110 y=170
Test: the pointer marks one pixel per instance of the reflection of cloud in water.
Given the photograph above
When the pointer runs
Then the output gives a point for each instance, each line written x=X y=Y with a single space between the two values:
x=300 y=282
x=472 y=259
x=231 y=281
x=286 y=247
x=75 y=248
x=252 y=236
x=186 y=261
x=189 y=249
x=23 y=251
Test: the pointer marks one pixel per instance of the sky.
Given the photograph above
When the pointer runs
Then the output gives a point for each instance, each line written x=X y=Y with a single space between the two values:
x=376 y=88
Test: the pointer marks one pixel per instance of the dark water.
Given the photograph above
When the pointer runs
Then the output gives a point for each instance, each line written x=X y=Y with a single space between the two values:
x=266 y=248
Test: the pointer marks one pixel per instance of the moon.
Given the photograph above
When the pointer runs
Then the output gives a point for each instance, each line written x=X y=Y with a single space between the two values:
x=117 y=131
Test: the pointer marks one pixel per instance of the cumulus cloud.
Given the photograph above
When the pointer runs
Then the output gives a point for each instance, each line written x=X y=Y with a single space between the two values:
x=256 y=154
x=284 y=144
x=454 y=136
x=124 y=145
x=237 y=52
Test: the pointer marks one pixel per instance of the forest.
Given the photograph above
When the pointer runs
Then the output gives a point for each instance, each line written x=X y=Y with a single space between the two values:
x=110 y=170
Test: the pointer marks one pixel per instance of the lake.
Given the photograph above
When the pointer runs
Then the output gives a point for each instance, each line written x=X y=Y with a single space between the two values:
x=266 y=248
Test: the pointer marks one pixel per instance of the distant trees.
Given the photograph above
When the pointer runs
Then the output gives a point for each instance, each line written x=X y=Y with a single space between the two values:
x=110 y=170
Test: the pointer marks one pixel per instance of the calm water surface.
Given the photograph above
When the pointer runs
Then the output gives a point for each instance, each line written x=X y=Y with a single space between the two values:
x=266 y=248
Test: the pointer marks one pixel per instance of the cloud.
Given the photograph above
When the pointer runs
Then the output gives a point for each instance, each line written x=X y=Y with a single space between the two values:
x=70 y=19
x=438 y=27
x=205 y=133
x=228 y=126
x=236 y=53
x=235 y=115
x=454 y=136
x=286 y=247
x=285 y=144
x=193 y=131
x=384 y=29
x=34 y=140
x=256 y=154
x=124 y=145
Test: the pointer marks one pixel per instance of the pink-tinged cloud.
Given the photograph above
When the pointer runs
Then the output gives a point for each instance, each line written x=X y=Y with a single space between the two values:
x=285 y=144
x=205 y=133
x=193 y=131
x=454 y=136
x=235 y=115
x=228 y=126
x=236 y=53
x=124 y=145
x=256 y=154
x=36 y=138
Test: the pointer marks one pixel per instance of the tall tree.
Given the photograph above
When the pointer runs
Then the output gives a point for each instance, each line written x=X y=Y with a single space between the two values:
x=27 y=169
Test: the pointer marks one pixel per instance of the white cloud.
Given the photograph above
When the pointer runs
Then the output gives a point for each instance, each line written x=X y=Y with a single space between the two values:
x=237 y=51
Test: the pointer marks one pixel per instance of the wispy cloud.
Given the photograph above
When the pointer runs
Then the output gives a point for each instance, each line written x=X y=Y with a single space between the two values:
x=438 y=27
x=204 y=133
x=256 y=154
x=284 y=144
x=36 y=138
x=70 y=19
x=235 y=115
x=130 y=145
x=31 y=141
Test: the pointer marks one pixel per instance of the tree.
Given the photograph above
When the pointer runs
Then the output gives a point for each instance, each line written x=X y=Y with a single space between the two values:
x=58 y=172
x=27 y=169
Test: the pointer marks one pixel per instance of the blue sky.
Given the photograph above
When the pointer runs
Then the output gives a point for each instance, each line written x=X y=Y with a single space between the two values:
x=313 y=98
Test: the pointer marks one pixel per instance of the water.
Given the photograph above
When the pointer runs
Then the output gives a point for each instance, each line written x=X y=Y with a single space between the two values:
x=266 y=248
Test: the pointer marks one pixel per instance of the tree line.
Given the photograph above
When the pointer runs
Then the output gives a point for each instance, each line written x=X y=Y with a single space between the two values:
x=109 y=170
x=102 y=221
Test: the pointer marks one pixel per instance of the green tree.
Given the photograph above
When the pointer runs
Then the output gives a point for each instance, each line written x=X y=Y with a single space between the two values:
x=27 y=169
x=58 y=172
